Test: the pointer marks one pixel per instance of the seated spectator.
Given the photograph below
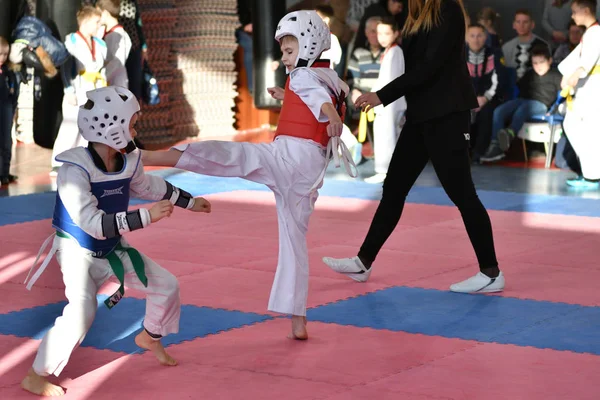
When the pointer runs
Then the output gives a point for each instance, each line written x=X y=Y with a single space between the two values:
x=480 y=61
x=488 y=18
x=538 y=90
x=364 y=64
x=575 y=34
x=383 y=8
x=356 y=10
x=517 y=51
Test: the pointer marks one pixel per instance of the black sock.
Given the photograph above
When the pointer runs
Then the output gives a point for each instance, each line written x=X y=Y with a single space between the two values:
x=366 y=263
x=492 y=272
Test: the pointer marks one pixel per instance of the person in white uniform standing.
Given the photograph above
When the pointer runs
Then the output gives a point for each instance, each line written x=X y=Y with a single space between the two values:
x=390 y=119
x=581 y=83
x=90 y=217
x=293 y=165
x=88 y=55
x=118 y=43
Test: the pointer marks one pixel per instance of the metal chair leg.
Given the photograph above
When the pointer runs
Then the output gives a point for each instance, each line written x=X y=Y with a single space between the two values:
x=550 y=145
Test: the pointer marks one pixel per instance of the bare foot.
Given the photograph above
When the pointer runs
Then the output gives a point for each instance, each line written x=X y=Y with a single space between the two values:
x=39 y=385
x=145 y=341
x=299 y=331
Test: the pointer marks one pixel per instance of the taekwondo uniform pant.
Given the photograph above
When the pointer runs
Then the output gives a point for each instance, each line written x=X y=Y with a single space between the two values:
x=83 y=275
x=386 y=129
x=68 y=135
x=289 y=167
x=582 y=125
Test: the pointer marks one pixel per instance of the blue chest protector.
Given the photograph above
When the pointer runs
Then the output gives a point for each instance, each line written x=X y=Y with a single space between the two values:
x=110 y=189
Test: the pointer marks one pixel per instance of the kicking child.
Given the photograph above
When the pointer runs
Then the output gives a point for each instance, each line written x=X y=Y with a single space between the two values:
x=293 y=165
x=90 y=217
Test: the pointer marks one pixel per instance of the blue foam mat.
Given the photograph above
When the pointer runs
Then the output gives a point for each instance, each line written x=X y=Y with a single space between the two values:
x=494 y=319
x=115 y=329
x=40 y=206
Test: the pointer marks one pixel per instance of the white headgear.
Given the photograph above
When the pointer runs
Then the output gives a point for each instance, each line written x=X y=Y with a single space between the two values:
x=105 y=117
x=311 y=31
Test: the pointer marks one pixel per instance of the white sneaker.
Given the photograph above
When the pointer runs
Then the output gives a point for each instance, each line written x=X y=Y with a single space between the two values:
x=480 y=283
x=352 y=267
x=377 y=178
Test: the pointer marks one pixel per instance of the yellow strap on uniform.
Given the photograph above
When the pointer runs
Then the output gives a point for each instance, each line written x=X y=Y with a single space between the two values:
x=568 y=91
x=365 y=117
x=94 y=77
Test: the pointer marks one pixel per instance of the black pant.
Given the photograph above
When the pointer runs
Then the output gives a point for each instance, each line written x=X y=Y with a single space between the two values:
x=445 y=141
x=482 y=128
x=7 y=114
x=134 y=72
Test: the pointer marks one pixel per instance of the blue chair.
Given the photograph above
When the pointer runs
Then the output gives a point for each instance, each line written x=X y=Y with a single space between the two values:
x=544 y=128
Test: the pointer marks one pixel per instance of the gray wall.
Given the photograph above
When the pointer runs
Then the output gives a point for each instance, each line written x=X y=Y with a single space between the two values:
x=507 y=9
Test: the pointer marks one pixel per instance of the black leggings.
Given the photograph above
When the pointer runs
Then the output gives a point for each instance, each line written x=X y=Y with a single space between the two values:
x=134 y=67
x=445 y=141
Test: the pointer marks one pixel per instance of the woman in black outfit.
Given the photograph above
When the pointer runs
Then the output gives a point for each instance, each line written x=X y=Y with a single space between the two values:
x=131 y=19
x=439 y=95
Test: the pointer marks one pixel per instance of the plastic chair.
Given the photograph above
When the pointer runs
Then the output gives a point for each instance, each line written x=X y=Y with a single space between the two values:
x=544 y=128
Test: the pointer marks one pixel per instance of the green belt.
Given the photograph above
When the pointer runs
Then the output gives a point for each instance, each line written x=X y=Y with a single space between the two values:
x=117 y=267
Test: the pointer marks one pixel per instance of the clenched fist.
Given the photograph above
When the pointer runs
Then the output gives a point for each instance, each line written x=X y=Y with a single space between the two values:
x=162 y=209
x=201 y=205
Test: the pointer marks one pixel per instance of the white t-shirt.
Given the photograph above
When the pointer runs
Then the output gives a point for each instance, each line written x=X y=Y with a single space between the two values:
x=118 y=44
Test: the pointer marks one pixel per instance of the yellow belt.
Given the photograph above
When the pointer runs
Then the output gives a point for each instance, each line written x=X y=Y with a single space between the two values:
x=94 y=77
x=365 y=117
x=567 y=92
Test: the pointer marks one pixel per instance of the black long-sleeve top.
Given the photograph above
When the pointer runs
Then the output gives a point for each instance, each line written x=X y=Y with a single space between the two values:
x=436 y=82
x=244 y=12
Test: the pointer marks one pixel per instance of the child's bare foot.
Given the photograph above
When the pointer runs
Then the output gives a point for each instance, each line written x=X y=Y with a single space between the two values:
x=39 y=385
x=145 y=341
x=299 y=331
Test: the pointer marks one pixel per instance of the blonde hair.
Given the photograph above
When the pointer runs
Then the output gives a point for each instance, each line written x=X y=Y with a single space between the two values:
x=86 y=12
x=4 y=42
x=423 y=15
x=288 y=38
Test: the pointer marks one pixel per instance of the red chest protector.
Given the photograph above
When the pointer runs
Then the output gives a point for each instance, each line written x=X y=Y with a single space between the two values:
x=297 y=120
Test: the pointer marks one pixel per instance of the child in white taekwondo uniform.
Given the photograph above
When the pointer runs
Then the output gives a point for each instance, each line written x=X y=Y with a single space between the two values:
x=581 y=85
x=293 y=165
x=83 y=73
x=390 y=119
x=90 y=217
x=117 y=42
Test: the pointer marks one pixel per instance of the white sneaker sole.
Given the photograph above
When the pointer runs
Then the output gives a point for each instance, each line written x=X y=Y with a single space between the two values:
x=362 y=278
x=485 y=290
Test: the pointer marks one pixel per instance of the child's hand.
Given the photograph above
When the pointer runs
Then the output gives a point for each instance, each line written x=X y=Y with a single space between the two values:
x=574 y=79
x=162 y=209
x=355 y=95
x=201 y=205
x=335 y=128
x=276 y=92
x=71 y=99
